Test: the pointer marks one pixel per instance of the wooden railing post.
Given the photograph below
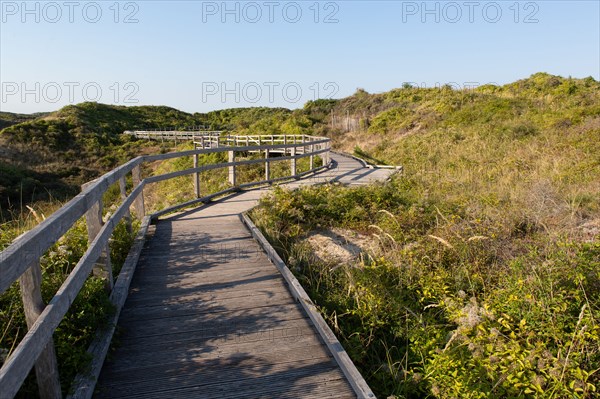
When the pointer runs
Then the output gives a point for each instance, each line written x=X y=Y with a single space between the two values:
x=46 y=367
x=123 y=189
x=303 y=147
x=312 y=157
x=138 y=204
x=267 y=165
x=196 y=178
x=232 y=177
x=103 y=268
x=293 y=161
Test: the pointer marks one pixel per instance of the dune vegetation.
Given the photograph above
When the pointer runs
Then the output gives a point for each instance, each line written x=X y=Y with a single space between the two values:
x=482 y=278
x=479 y=269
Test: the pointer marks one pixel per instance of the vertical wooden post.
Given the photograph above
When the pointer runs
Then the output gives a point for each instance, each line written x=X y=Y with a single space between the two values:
x=312 y=157
x=46 y=367
x=102 y=268
x=267 y=166
x=285 y=144
x=303 y=147
x=196 y=178
x=232 y=176
x=138 y=204
x=123 y=188
x=293 y=161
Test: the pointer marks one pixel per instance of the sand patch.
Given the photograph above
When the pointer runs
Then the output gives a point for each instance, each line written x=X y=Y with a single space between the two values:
x=341 y=246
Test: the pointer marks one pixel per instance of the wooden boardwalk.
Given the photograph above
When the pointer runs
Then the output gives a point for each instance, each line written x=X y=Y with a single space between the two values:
x=209 y=316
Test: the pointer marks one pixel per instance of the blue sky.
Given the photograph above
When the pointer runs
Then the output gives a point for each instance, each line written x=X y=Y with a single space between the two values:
x=199 y=56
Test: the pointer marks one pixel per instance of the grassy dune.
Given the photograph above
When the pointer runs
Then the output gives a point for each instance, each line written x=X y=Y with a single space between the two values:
x=482 y=279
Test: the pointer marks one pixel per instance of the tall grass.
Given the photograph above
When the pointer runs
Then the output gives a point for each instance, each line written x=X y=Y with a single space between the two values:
x=483 y=280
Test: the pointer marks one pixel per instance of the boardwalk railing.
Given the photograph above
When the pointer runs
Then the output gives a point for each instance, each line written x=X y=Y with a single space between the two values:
x=21 y=260
x=175 y=135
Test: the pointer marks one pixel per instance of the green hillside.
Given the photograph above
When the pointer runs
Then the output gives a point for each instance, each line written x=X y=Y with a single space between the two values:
x=480 y=270
x=480 y=276
x=51 y=155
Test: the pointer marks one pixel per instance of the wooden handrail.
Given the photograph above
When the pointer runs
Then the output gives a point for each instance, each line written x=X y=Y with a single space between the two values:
x=25 y=252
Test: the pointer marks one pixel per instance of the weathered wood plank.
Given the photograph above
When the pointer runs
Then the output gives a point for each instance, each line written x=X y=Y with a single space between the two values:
x=352 y=374
x=161 y=311
x=136 y=174
x=46 y=367
x=123 y=191
x=84 y=383
x=103 y=268
x=236 y=374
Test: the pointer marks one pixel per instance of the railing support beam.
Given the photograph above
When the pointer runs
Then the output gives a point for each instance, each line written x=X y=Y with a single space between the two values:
x=196 y=178
x=267 y=166
x=123 y=189
x=232 y=176
x=46 y=367
x=293 y=162
x=103 y=268
x=138 y=204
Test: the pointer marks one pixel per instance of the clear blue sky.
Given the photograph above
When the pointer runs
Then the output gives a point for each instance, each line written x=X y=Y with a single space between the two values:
x=195 y=56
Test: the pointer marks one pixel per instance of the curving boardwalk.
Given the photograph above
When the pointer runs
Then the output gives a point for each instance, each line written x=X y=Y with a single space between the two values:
x=208 y=315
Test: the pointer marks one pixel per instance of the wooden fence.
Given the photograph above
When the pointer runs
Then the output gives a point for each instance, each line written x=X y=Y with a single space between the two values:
x=172 y=135
x=20 y=262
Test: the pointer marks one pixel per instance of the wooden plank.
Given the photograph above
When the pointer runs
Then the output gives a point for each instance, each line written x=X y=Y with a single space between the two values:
x=123 y=191
x=265 y=316
x=293 y=170
x=196 y=178
x=46 y=367
x=293 y=383
x=84 y=383
x=140 y=211
x=232 y=163
x=119 y=384
x=161 y=311
x=102 y=268
x=268 y=166
x=234 y=379
x=224 y=292
x=358 y=383
x=219 y=347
